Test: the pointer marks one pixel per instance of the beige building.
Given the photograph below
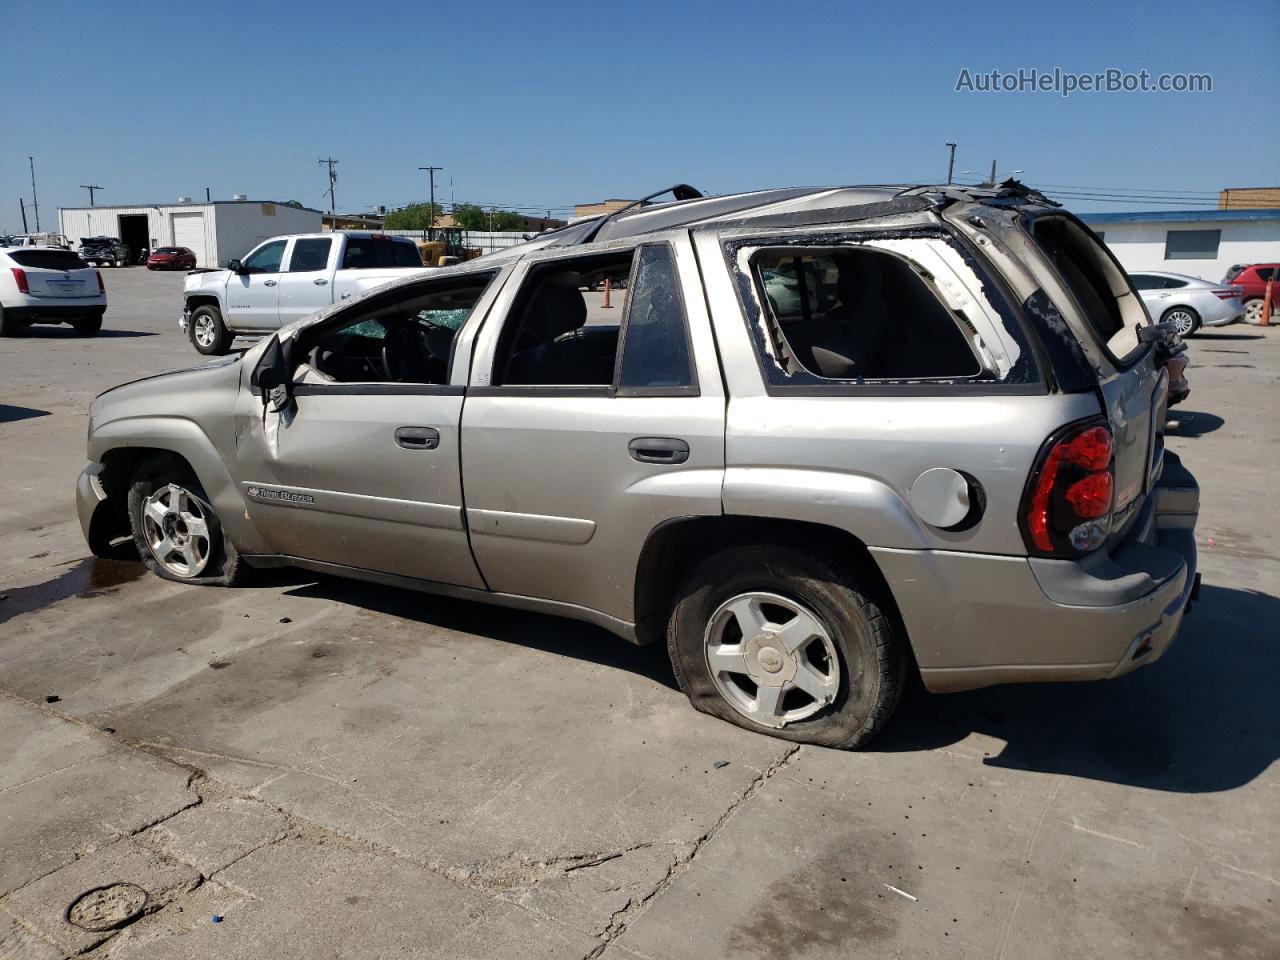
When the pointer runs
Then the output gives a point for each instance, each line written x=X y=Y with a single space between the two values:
x=1249 y=198
x=599 y=209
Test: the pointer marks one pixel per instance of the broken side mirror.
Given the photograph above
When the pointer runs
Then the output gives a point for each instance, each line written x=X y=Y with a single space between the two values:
x=272 y=377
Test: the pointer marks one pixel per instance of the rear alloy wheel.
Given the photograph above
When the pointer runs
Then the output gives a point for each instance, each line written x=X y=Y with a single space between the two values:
x=783 y=642
x=209 y=335
x=1185 y=320
x=1253 y=311
x=175 y=528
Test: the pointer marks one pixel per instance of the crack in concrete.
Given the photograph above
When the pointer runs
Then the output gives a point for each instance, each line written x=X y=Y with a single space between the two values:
x=622 y=918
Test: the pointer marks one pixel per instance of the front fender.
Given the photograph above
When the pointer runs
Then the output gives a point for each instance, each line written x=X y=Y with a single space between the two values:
x=185 y=438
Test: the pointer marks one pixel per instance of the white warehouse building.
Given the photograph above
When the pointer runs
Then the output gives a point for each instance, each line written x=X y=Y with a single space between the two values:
x=216 y=231
x=1198 y=243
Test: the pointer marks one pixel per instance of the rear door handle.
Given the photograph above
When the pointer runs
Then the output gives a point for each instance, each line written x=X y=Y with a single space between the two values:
x=658 y=450
x=319 y=281
x=418 y=438
x=268 y=283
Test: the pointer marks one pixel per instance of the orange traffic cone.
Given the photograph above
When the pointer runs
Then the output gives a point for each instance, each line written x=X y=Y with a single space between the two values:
x=608 y=288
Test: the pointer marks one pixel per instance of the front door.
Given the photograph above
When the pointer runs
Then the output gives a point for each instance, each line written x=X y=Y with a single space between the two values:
x=304 y=284
x=361 y=466
x=253 y=294
x=588 y=423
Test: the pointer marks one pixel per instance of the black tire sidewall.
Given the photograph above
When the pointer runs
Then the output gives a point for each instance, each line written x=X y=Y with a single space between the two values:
x=149 y=476
x=861 y=634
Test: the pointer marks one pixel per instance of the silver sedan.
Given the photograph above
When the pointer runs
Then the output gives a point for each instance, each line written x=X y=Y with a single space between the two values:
x=1189 y=303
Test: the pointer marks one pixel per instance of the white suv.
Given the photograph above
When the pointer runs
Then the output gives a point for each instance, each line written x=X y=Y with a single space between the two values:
x=49 y=285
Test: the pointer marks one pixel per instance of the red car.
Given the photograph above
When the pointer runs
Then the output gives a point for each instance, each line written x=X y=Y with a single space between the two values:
x=172 y=258
x=1252 y=278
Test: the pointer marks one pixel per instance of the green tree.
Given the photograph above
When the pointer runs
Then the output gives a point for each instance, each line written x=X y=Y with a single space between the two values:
x=469 y=216
x=416 y=216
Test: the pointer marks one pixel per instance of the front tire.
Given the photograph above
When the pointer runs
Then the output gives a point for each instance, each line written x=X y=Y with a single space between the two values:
x=208 y=334
x=175 y=528
x=785 y=643
x=1185 y=320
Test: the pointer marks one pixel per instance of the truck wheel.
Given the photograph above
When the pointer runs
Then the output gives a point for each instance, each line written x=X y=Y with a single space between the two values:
x=782 y=642
x=88 y=326
x=208 y=334
x=175 y=528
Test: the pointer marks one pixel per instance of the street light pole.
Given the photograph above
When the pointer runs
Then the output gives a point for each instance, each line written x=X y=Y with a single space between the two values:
x=951 y=162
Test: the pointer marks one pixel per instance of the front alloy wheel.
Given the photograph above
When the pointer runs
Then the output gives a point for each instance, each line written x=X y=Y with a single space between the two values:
x=771 y=659
x=177 y=531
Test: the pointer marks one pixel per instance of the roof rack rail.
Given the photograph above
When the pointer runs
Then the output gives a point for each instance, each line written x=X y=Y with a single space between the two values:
x=681 y=191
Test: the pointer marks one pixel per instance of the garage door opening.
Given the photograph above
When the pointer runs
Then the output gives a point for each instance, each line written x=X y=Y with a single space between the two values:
x=133 y=233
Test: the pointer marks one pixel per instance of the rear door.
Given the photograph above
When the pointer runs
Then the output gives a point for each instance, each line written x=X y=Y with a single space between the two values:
x=591 y=419
x=56 y=273
x=304 y=284
x=253 y=295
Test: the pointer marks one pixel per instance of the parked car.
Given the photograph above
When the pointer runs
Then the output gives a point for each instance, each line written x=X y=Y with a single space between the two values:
x=1252 y=279
x=950 y=458
x=172 y=258
x=49 y=285
x=104 y=250
x=1189 y=303
x=287 y=278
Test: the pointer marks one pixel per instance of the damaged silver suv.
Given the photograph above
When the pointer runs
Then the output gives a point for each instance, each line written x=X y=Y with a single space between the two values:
x=813 y=439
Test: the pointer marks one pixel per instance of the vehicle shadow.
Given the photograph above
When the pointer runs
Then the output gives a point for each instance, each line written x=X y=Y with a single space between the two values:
x=1205 y=718
x=1206 y=335
x=60 y=332
x=557 y=635
x=1191 y=423
x=9 y=413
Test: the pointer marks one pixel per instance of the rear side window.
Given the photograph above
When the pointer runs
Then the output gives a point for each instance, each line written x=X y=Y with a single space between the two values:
x=310 y=254
x=48 y=259
x=1094 y=280
x=858 y=314
x=373 y=253
x=655 y=340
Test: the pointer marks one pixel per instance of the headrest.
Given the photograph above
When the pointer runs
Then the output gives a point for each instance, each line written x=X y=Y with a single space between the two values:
x=557 y=307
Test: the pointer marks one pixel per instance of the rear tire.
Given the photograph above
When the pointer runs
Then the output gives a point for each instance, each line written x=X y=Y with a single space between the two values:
x=88 y=326
x=10 y=327
x=207 y=333
x=175 y=528
x=1253 y=311
x=780 y=587
x=1185 y=320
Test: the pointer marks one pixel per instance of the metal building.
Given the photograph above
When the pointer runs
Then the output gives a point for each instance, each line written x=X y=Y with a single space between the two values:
x=216 y=231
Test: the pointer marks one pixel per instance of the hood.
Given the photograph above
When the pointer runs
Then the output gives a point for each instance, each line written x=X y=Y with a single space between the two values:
x=226 y=361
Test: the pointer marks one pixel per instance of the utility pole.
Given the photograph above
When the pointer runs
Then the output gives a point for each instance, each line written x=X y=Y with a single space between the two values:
x=332 y=179
x=431 y=210
x=23 y=207
x=206 y=194
x=992 y=181
x=951 y=162
x=90 y=189
x=35 y=203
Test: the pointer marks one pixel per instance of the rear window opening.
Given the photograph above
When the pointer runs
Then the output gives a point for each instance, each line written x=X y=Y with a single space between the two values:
x=859 y=315
x=1097 y=283
x=48 y=260
x=379 y=253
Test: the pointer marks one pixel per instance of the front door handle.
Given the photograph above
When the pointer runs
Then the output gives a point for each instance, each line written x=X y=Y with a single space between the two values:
x=418 y=438
x=658 y=450
x=268 y=283
x=319 y=281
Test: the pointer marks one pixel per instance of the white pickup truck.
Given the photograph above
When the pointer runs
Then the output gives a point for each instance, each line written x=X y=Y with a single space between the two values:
x=284 y=279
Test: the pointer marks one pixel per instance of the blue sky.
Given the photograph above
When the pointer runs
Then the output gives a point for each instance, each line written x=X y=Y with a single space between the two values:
x=552 y=103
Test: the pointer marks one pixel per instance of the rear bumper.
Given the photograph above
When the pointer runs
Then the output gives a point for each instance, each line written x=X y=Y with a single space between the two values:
x=975 y=619
x=55 y=311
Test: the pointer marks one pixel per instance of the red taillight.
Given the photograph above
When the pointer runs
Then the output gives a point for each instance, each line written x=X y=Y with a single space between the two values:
x=20 y=278
x=102 y=287
x=1228 y=294
x=1067 y=507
